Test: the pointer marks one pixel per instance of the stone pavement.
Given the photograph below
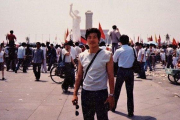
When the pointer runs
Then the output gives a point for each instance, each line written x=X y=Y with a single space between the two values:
x=21 y=98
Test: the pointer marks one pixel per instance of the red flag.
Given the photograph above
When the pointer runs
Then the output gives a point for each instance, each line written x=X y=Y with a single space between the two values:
x=83 y=40
x=151 y=38
x=67 y=33
x=159 y=41
x=102 y=33
x=174 y=42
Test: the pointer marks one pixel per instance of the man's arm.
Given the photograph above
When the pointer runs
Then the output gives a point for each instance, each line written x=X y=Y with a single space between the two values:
x=77 y=82
x=115 y=56
x=70 y=12
x=110 y=71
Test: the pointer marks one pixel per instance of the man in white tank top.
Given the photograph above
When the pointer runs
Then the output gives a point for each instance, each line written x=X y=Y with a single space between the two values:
x=94 y=97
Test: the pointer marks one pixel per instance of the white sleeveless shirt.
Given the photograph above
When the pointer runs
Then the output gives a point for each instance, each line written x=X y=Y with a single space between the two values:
x=96 y=77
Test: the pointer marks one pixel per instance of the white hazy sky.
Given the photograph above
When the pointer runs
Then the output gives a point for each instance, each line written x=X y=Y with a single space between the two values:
x=133 y=17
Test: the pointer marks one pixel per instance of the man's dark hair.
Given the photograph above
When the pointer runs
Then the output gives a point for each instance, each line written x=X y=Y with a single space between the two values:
x=11 y=31
x=93 y=30
x=52 y=45
x=114 y=27
x=43 y=45
x=102 y=43
x=23 y=44
x=147 y=45
x=170 y=45
x=70 y=43
x=47 y=43
x=140 y=44
x=137 y=43
x=151 y=45
x=124 y=39
x=38 y=43
x=77 y=43
x=86 y=46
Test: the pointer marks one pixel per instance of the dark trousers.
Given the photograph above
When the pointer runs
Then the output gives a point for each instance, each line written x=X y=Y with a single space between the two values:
x=148 y=64
x=11 y=64
x=68 y=80
x=126 y=75
x=6 y=61
x=93 y=102
x=51 y=62
x=20 y=62
x=142 y=74
x=114 y=47
x=36 y=70
x=169 y=61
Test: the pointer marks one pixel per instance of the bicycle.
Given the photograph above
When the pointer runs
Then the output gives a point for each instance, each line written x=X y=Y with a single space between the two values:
x=57 y=74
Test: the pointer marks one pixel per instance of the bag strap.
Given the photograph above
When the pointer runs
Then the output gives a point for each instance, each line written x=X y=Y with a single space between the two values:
x=61 y=60
x=134 y=53
x=91 y=62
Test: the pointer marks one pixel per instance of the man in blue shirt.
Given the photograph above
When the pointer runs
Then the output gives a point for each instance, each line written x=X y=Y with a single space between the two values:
x=125 y=58
x=37 y=60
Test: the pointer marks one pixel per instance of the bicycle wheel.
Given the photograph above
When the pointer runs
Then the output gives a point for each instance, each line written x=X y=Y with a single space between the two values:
x=55 y=75
x=177 y=78
x=170 y=78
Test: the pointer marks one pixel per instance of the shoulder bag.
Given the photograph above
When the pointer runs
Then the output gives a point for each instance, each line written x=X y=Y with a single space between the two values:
x=136 y=66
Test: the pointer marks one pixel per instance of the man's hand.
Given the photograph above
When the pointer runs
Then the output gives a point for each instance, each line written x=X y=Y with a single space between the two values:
x=75 y=100
x=110 y=100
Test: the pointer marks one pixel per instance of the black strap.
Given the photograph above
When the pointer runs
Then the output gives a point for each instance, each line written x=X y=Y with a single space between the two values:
x=134 y=54
x=91 y=62
x=61 y=60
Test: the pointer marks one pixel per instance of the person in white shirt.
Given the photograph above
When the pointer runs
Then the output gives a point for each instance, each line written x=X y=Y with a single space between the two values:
x=2 y=55
x=69 y=67
x=163 y=58
x=78 y=49
x=102 y=45
x=147 y=63
x=94 y=95
x=6 y=52
x=169 y=56
x=125 y=58
x=141 y=59
x=21 y=56
x=43 y=65
x=58 y=51
x=175 y=61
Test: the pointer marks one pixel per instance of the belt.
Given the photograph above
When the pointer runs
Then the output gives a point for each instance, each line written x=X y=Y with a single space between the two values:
x=125 y=68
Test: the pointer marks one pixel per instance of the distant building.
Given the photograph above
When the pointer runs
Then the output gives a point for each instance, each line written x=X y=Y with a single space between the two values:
x=89 y=24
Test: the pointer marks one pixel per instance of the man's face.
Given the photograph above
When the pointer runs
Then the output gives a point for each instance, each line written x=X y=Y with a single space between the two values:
x=92 y=40
x=140 y=46
x=38 y=45
x=67 y=47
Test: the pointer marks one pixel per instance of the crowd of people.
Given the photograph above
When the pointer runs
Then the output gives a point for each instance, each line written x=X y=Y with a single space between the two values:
x=95 y=62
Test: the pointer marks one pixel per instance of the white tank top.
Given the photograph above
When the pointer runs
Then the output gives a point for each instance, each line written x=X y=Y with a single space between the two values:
x=96 y=77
